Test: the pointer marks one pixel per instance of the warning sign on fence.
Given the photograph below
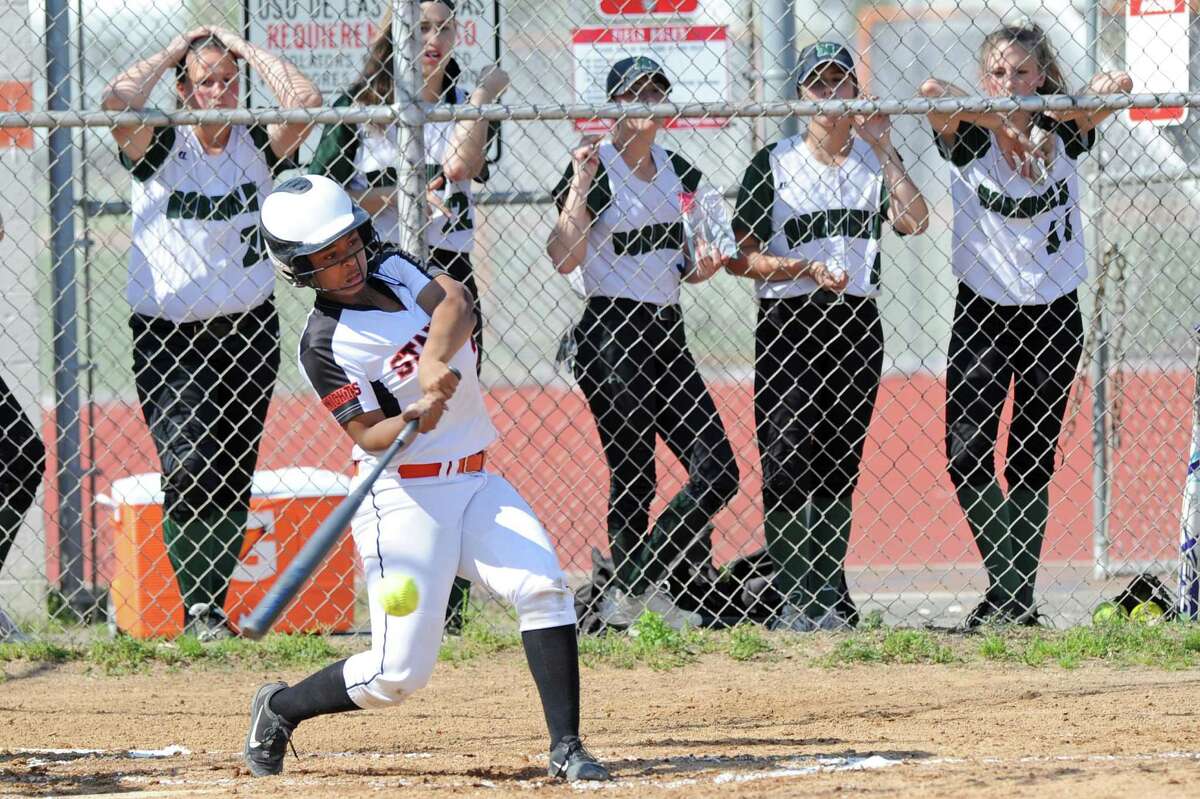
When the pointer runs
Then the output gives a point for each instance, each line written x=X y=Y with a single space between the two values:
x=1157 y=54
x=695 y=58
x=329 y=39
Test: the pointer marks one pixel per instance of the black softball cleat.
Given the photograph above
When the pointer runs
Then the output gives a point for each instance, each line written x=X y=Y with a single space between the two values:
x=570 y=761
x=269 y=735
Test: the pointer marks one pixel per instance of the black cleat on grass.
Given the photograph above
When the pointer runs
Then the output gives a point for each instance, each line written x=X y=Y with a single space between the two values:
x=269 y=735
x=570 y=761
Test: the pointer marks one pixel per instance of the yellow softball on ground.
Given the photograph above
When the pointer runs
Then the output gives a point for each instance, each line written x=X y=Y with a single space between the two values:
x=398 y=595
x=1147 y=613
x=1108 y=613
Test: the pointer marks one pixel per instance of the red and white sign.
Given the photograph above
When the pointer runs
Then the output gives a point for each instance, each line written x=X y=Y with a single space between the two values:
x=1157 y=54
x=694 y=57
x=647 y=8
x=328 y=40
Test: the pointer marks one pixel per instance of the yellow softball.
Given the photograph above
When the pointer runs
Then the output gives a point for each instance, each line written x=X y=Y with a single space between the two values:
x=398 y=595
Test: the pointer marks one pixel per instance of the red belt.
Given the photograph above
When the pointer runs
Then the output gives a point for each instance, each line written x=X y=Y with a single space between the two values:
x=471 y=463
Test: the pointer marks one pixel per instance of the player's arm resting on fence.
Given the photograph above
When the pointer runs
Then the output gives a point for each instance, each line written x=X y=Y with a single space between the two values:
x=753 y=227
x=906 y=207
x=946 y=125
x=579 y=203
x=289 y=85
x=1101 y=83
x=466 y=156
x=130 y=90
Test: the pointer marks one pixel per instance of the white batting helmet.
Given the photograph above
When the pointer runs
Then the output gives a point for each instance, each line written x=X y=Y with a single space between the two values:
x=305 y=215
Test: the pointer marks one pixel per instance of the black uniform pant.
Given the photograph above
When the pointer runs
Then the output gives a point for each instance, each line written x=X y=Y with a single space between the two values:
x=204 y=388
x=1035 y=347
x=640 y=380
x=22 y=462
x=818 y=362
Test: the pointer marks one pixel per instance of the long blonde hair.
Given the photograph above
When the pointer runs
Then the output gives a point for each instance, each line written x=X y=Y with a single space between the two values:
x=1034 y=40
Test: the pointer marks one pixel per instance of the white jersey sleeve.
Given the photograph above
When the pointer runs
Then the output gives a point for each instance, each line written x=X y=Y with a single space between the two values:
x=344 y=388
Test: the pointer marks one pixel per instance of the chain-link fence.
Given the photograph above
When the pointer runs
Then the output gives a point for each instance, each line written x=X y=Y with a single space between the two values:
x=832 y=436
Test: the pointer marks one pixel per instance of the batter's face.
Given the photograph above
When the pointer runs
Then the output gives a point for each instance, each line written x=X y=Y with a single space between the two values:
x=211 y=81
x=340 y=270
x=438 y=32
x=1009 y=70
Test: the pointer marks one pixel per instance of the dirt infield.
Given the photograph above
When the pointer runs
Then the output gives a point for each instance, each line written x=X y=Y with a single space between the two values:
x=713 y=728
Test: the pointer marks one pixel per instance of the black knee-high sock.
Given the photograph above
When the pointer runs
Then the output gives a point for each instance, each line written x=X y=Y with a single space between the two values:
x=318 y=694
x=553 y=656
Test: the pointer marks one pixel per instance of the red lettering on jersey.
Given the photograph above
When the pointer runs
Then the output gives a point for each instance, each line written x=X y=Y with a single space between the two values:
x=338 y=398
x=404 y=362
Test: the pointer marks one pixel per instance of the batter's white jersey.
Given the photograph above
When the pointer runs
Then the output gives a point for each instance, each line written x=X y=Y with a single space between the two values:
x=197 y=252
x=1016 y=242
x=360 y=359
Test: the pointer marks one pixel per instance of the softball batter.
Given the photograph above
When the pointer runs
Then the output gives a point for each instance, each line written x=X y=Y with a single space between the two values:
x=809 y=216
x=205 y=332
x=1018 y=256
x=620 y=221
x=378 y=350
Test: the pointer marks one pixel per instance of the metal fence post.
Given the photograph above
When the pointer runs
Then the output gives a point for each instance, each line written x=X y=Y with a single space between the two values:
x=778 y=19
x=1100 y=438
x=69 y=479
x=406 y=32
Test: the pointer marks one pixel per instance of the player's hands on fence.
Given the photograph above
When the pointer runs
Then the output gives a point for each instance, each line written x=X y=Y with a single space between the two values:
x=1111 y=83
x=827 y=277
x=586 y=158
x=874 y=129
x=492 y=82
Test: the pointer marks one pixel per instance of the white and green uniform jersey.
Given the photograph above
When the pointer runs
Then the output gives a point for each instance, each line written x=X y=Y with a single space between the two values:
x=197 y=252
x=798 y=207
x=1016 y=242
x=636 y=241
x=364 y=156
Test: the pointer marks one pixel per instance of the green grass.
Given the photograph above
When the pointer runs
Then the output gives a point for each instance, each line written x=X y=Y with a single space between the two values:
x=124 y=655
x=1120 y=642
x=890 y=646
x=652 y=644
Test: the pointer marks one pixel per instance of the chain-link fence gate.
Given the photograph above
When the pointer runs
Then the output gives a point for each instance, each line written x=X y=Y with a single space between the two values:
x=138 y=294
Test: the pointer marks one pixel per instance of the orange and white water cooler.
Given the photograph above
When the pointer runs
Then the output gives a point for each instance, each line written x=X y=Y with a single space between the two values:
x=286 y=506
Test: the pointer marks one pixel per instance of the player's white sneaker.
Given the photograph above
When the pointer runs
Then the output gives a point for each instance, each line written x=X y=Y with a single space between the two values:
x=10 y=633
x=207 y=623
x=269 y=735
x=619 y=609
x=675 y=617
x=792 y=618
x=571 y=762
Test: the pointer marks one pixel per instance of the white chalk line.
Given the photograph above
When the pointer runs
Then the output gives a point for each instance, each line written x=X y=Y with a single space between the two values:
x=784 y=769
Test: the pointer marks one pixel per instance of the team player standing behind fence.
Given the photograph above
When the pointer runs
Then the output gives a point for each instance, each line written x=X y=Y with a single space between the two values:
x=205 y=331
